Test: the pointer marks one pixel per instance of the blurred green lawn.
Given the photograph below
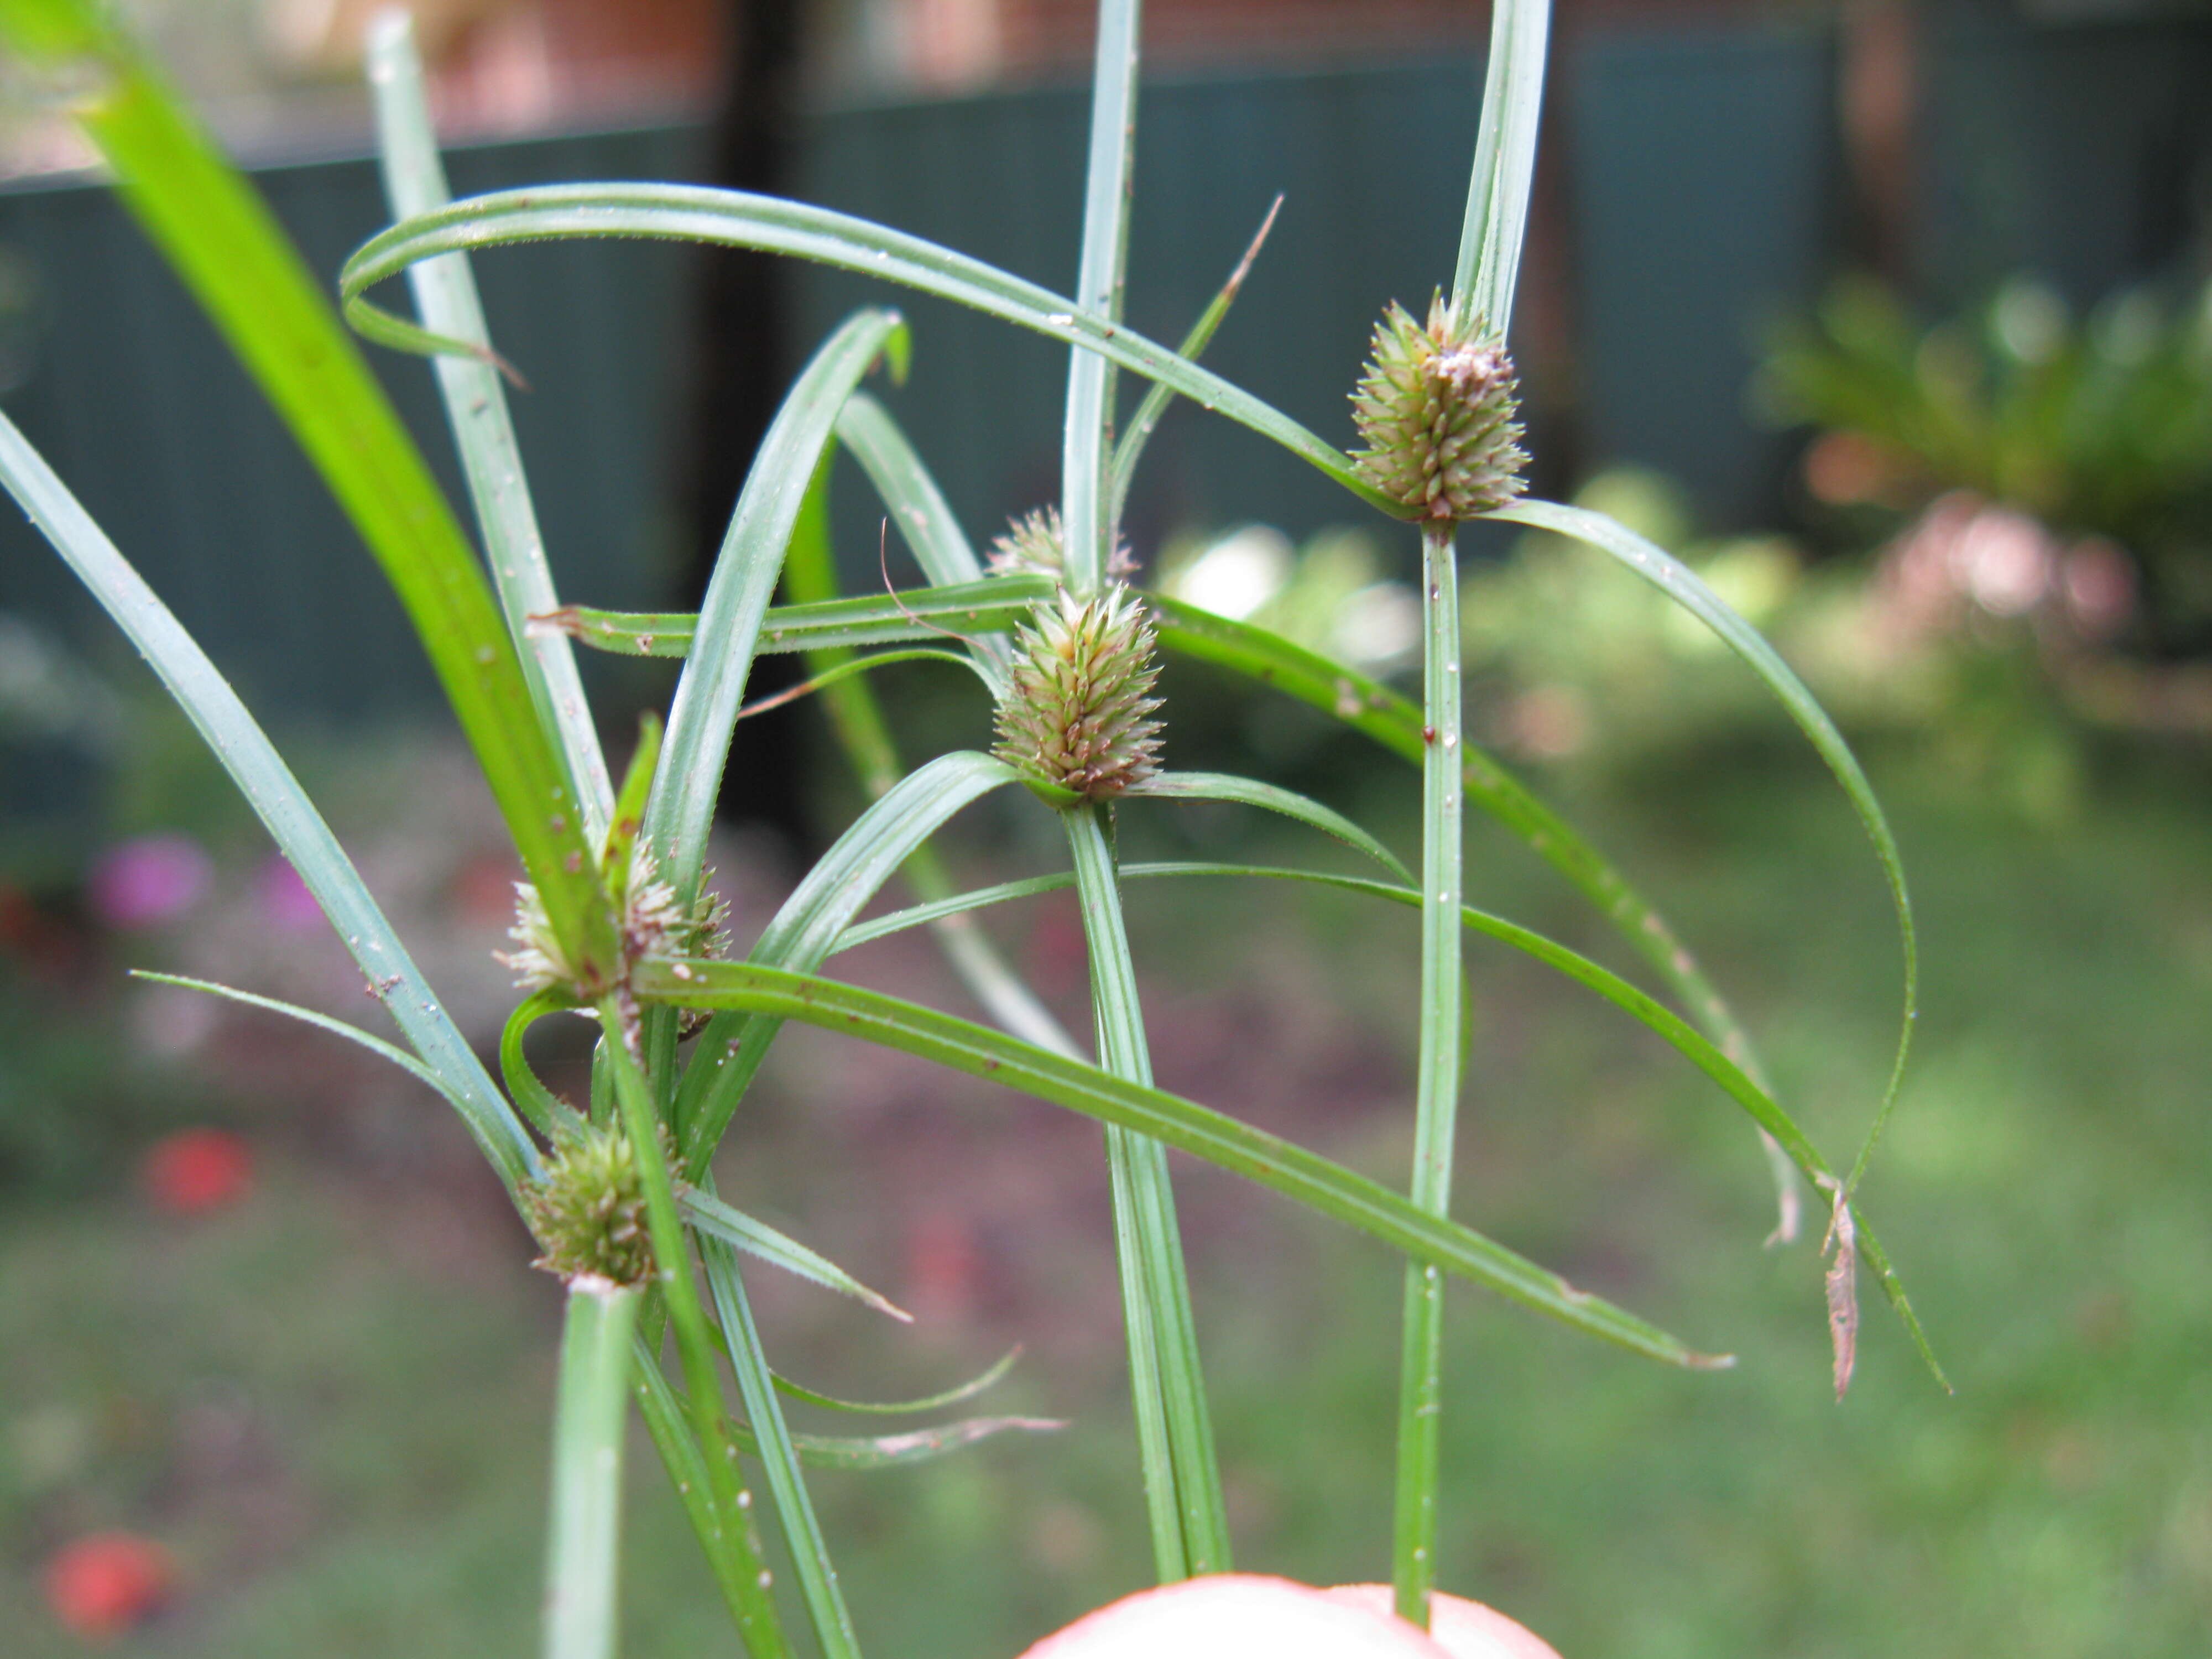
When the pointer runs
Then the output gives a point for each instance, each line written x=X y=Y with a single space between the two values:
x=330 y=1403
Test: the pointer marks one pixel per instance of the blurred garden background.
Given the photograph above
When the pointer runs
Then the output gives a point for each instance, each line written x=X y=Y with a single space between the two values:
x=1892 y=319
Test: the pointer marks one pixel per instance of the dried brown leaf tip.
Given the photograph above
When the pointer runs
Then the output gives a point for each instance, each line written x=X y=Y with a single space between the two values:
x=1077 y=713
x=1841 y=1282
x=1436 y=408
x=588 y=1211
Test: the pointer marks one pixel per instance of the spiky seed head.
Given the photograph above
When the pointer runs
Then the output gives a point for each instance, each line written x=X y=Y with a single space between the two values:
x=1078 y=711
x=588 y=1211
x=1037 y=546
x=654 y=923
x=1435 y=407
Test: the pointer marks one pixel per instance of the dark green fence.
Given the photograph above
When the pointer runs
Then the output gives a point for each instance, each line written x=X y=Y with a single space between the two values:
x=1701 y=168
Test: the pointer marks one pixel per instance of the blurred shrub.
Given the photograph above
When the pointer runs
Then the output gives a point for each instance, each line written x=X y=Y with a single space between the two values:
x=2097 y=428
x=1573 y=661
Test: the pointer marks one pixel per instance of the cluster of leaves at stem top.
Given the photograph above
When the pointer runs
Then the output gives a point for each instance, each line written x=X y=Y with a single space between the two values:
x=1437 y=407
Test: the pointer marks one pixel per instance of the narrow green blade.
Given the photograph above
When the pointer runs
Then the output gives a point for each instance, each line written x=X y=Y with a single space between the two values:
x=1146 y=421
x=476 y=407
x=929 y=613
x=736 y=219
x=1085 y=440
x=952 y=1396
x=772 y=1443
x=1250 y=792
x=1376 y=712
x=1304 y=1176
x=708 y=1214
x=1496 y=227
x=1682 y=585
x=712 y=687
x=1175 y=1428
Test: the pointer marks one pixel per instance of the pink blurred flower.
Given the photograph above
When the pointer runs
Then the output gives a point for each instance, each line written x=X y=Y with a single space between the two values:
x=149 y=881
x=282 y=897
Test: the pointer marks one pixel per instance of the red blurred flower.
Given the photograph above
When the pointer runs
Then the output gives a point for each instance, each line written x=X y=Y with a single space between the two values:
x=194 y=1171
x=102 y=1585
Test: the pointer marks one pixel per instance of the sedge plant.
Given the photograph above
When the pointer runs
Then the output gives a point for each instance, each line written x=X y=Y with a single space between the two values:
x=615 y=921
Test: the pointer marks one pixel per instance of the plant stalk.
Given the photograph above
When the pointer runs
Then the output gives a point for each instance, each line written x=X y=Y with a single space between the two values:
x=758 y=1623
x=1437 y=1096
x=1183 y=1477
x=584 y=1545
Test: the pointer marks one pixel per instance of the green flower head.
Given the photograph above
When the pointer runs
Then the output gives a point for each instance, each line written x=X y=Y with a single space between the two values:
x=1436 y=408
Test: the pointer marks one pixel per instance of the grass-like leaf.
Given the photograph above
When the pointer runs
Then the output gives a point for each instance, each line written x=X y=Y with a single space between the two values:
x=896 y=1452
x=539 y=1104
x=1146 y=420
x=665 y=1413
x=737 y=219
x=852 y=668
x=934 y=1402
x=1272 y=1162
x=730 y=1049
x=772 y=1443
x=1740 y=1084
x=1250 y=792
x=1438 y=1072
x=226 y=247
x=1086 y=495
x=930 y=613
x=722 y=1523
x=584 y=1549
x=713 y=686
x=277 y=799
x=475 y=408
x=1495 y=228
x=710 y=1428
x=375 y=1045
x=1682 y=585
x=1395 y=721
x=708 y=1214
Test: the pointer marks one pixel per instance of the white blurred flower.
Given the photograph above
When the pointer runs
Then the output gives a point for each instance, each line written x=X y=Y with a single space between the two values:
x=1238 y=574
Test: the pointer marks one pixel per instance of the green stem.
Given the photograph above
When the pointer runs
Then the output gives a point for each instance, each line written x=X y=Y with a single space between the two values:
x=583 y=1552
x=1182 y=1477
x=758 y=1621
x=1436 y=1099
